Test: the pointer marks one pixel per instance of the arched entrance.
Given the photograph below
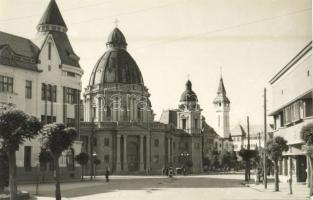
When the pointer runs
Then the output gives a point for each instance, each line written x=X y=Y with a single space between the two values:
x=133 y=156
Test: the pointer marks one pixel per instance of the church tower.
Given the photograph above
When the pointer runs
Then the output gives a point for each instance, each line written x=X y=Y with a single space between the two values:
x=222 y=107
x=189 y=119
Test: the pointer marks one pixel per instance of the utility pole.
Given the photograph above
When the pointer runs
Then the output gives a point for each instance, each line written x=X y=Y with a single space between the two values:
x=91 y=146
x=264 y=152
x=249 y=153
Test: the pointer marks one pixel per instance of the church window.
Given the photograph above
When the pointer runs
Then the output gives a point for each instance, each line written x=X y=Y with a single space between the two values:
x=196 y=123
x=139 y=114
x=6 y=84
x=106 y=142
x=28 y=90
x=156 y=142
x=108 y=111
x=49 y=50
x=184 y=123
x=106 y=158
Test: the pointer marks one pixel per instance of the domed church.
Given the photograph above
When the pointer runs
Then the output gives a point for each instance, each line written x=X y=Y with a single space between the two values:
x=119 y=127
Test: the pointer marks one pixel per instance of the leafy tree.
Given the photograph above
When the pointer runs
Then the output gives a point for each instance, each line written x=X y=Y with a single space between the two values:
x=206 y=162
x=307 y=137
x=225 y=160
x=4 y=171
x=82 y=158
x=233 y=160
x=15 y=128
x=44 y=158
x=57 y=138
x=275 y=149
x=247 y=155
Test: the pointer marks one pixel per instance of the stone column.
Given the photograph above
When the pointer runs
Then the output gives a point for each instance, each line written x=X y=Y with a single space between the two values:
x=141 y=154
x=118 y=153
x=148 y=153
x=125 y=164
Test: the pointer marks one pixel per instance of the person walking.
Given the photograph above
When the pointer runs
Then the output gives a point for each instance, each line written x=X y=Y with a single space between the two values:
x=107 y=173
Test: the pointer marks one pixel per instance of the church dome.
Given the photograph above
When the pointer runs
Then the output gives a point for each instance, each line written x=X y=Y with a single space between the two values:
x=116 y=65
x=188 y=94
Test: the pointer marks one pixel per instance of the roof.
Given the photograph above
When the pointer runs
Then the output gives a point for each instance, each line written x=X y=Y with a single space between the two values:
x=169 y=116
x=52 y=15
x=117 y=39
x=221 y=93
x=116 y=66
x=254 y=129
x=65 y=50
x=188 y=94
x=21 y=46
x=292 y=62
x=25 y=51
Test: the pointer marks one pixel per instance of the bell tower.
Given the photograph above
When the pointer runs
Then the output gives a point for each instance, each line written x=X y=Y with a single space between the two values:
x=222 y=108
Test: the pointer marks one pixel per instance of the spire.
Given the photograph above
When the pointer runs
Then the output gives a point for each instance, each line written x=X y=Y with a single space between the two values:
x=117 y=39
x=221 y=87
x=221 y=93
x=52 y=19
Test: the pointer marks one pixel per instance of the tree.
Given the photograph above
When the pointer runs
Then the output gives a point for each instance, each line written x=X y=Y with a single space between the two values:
x=225 y=160
x=275 y=149
x=233 y=160
x=82 y=158
x=15 y=128
x=247 y=155
x=4 y=171
x=57 y=138
x=96 y=162
x=44 y=158
x=307 y=136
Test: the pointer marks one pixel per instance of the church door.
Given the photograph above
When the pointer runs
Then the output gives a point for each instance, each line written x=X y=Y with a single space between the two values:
x=133 y=156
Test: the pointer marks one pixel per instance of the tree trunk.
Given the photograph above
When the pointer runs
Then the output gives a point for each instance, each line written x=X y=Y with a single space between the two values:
x=276 y=176
x=246 y=171
x=12 y=175
x=311 y=178
x=82 y=178
x=57 y=178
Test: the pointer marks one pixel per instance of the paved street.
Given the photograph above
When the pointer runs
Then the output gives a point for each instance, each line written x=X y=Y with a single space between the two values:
x=219 y=187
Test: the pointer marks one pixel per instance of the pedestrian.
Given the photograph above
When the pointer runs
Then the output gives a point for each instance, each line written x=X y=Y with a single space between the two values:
x=107 y=173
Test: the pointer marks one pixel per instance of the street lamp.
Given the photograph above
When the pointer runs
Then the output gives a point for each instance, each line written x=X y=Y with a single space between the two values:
x=94 y=155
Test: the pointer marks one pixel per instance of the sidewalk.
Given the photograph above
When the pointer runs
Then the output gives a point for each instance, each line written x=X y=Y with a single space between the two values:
x=300 y=191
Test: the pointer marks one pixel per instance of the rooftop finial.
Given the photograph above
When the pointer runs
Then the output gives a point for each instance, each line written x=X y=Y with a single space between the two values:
x=116 y=21
x=221 y=70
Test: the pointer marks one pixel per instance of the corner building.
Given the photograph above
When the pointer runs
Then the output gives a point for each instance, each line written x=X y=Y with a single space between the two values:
x=118 y=112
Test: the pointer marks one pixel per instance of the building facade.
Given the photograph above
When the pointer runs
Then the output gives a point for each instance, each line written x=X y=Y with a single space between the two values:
x=119 y=121
x=292 y=99
x=42 y=78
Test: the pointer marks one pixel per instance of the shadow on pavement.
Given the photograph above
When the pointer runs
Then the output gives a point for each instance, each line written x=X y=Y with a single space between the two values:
x=100 y=186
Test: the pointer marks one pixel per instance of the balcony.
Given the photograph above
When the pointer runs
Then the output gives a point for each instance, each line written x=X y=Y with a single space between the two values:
x=292 y=133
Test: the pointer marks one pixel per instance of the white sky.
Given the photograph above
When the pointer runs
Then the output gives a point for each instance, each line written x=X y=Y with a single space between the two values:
x=169 y=39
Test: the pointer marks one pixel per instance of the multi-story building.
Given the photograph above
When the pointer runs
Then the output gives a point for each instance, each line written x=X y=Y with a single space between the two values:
x=239 y=136
x=292 y=99
x=118 y=115
x=42 y=78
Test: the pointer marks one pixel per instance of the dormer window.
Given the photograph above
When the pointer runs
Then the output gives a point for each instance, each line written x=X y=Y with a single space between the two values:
x=184 y=123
